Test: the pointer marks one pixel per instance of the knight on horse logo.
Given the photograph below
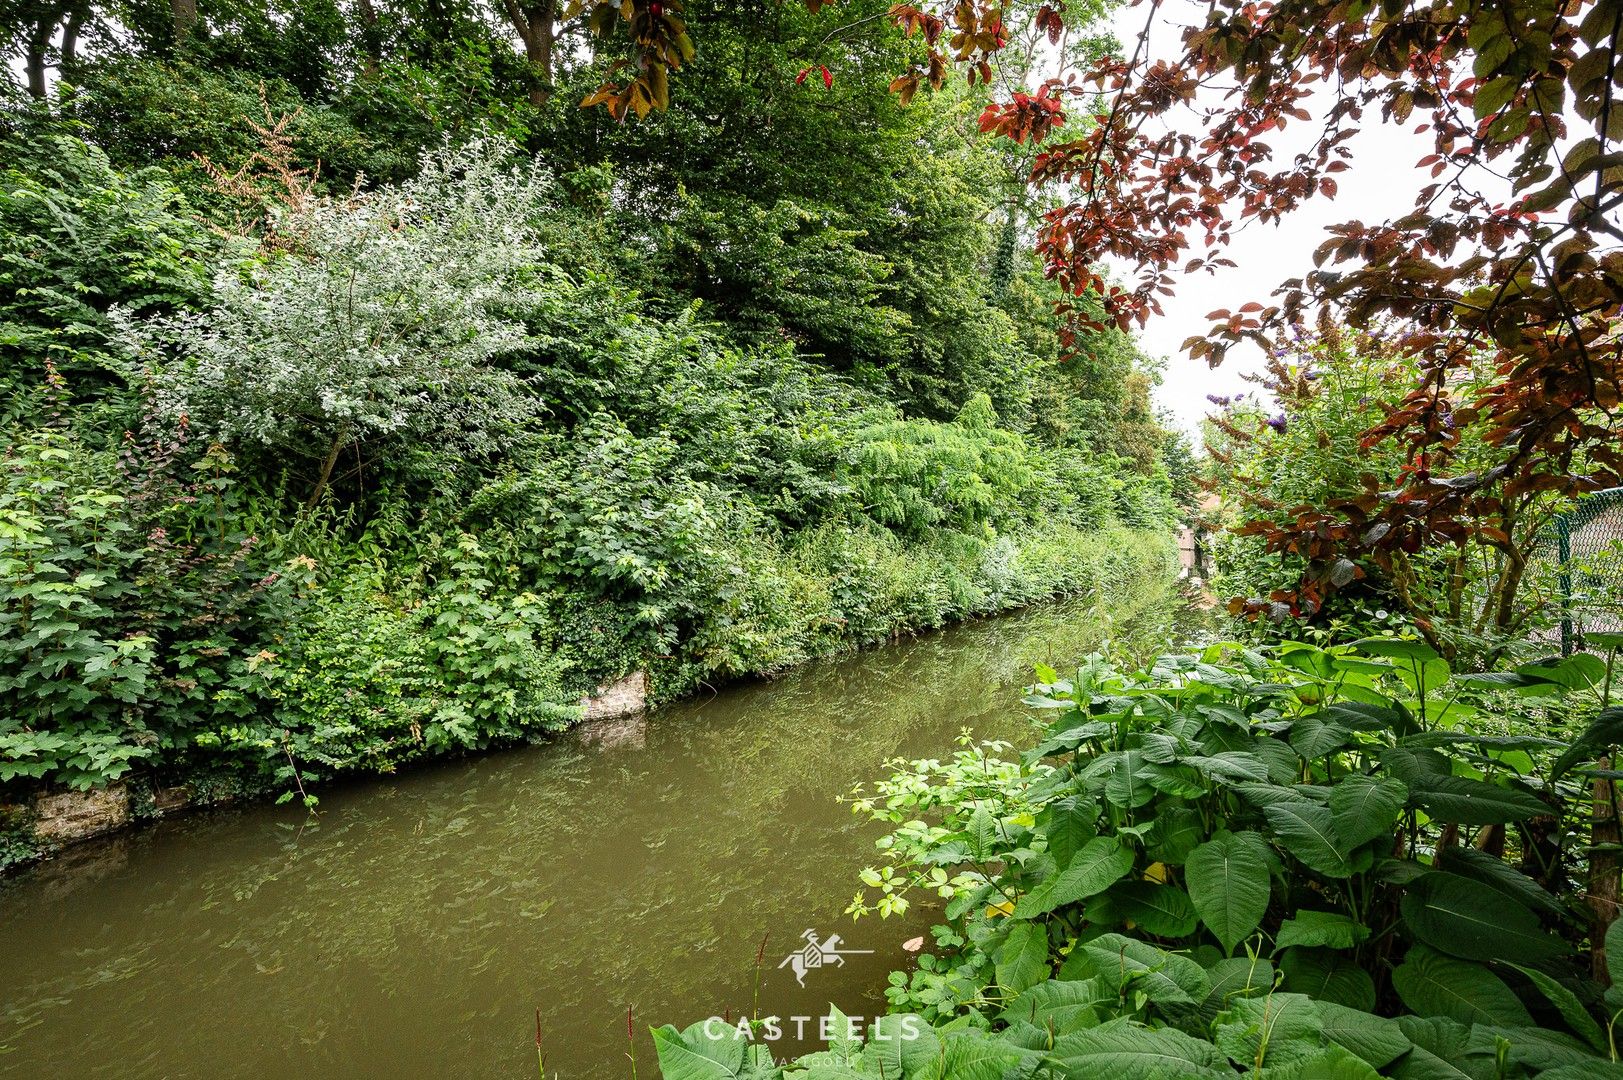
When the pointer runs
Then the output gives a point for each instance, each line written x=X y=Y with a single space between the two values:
x=817 y=954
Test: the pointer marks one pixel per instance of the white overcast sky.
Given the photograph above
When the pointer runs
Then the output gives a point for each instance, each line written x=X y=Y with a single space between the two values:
x=1380 y=184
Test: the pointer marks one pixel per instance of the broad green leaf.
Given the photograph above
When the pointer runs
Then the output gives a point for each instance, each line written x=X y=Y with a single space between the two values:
x=1423 y=678
x=1229 y=884
x=1399 y=871
x=1128 y=784
x=1263 y=795
x=1440 y=1052
x=1307 y=831
x=1503 y=878
x=982 y=834
x=1320 y=928
x=1222 y=738
x=1068 y=824
x=1366 y=807
x=1366 y=716
x=1412 y=764
x=1067 y=734
x=1274 y=1029
x=1580 y=671
x=844 y=1036
x=1592 y=1070
x=1395 y=648
x=1101 y=863
x=898 y=1045
x=1308 y=658
x=1122 y=1050
x=1484 y=742
x=1162 y=976
x=1162 y=911
x=1374 y=1039
x=1472 y=802
x=1499 y=680
x=1313 y=737
x=1181 y=782
x=1614 y=951
x=1432 y=984
x=1533 y=1047
x=1361 y=666
x=1284 y=764
x=1022 y=960
x=1328 y=976
x=1603 y=733
x=1232 y=767
x=1571 y=1009
x=1330 y=1063
x=1236 y=977
x=695 y=1054
x=969 y=1055
x=1468 y=919
x=1062 y=1006
x=1177 y=831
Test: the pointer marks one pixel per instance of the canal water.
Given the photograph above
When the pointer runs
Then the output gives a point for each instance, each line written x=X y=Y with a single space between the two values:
x=415 y=926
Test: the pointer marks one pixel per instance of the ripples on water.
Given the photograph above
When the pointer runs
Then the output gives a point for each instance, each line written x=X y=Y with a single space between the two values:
x=414 y=928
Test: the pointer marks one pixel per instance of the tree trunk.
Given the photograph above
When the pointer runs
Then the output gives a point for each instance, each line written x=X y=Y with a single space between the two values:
x=36 y=51
x=70 y=33
x=534 y=25
x=327 y=465
x=1604 y=869
x=371 y=37
x=183 y=17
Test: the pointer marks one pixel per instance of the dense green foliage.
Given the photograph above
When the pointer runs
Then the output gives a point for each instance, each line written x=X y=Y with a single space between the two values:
x=359 y=415
x=364 y=401
x=1290 y=862
x=1479 y=589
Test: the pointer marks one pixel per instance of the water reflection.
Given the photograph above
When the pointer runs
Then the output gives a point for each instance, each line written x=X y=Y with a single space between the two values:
x=416 y=927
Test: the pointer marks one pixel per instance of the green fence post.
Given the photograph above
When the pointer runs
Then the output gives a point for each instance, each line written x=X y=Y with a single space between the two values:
x=1563 y=539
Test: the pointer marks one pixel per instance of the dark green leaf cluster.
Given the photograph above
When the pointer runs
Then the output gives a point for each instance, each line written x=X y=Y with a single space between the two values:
x=1293 y=862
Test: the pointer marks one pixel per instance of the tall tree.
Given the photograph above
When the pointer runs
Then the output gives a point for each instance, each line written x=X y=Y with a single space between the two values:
x=1180 y=158
x=534 y=24
x=31 y=31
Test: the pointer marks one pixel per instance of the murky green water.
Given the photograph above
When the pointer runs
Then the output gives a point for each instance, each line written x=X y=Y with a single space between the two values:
x=416 y=927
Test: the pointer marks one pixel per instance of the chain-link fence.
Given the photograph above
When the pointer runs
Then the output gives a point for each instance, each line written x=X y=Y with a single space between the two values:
x=1586 y=546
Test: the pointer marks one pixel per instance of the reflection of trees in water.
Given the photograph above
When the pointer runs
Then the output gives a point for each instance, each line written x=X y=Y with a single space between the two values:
x=429 y=912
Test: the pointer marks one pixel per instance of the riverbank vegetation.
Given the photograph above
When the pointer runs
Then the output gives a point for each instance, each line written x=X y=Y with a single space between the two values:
x=356 y=415
x=1288 y=861
x=1376 y=834
x=367 y=400
x=1485 y=587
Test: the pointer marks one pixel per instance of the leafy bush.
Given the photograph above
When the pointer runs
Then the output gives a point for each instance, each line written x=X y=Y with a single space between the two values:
x=77 y=238
x=144 y=110
x=1471 y=587
x=368 y=683
x=915 y=475
x=1300 y=862
x=130 y=604
x=367 y=321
